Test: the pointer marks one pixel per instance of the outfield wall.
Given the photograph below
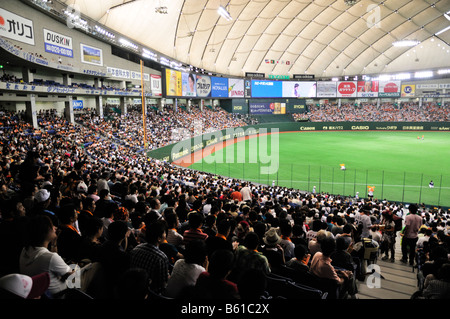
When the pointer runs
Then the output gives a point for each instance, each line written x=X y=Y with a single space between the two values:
x=186 y=147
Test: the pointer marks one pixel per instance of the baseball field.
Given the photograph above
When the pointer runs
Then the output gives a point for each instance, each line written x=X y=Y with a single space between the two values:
x=399 y=166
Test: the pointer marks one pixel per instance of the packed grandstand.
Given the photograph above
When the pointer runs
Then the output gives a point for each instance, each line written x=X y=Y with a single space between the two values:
x=86 y=213
x=73 y=163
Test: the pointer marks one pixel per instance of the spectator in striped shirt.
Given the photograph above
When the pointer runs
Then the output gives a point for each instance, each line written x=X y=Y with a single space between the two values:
x=196 y=221
x=148 y=256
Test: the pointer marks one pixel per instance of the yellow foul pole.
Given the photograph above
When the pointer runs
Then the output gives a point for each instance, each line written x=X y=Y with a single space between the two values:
x=143 y=105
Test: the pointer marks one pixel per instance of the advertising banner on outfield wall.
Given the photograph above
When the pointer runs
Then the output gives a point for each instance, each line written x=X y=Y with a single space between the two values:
x=236 y=88
x=368 y=88
x=58 y=43
x=203 y=86
x=265 y=108
x=389 y=89
x=326 y=89
x=15 y=27
x=91 y=55
x=408 y=90
x=219 y=87
x=347 y=89
x=173 y=83
x=188 y=84
x=155 y=84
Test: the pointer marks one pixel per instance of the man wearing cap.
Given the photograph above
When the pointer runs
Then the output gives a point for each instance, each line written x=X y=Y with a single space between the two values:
x=42 y=205
x=272 y=249
x=15 y=286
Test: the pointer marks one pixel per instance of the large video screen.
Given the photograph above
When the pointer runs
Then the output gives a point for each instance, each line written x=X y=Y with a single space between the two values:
x=299 y=89
x=266 y=88
x=282 y=89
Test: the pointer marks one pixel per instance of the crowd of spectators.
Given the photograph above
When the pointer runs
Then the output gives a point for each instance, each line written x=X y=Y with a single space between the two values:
x=141 y=228
x=385 y=112
x=163 y=127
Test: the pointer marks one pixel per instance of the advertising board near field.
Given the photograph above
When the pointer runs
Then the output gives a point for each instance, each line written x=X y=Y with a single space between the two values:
x=408 y=90
x=326 y=89
x=389 y=89
x=203 y=86
x=368 y=88
x=15 y=27
x=236 y=88
x=347 y=89
x=58 y=43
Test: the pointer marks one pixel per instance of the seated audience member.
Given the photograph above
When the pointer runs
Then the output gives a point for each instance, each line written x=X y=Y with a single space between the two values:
x=247 y=256
x=439 y=287
x=173 y=236
x=213 y=283
x=341 y=258
x=301 y=260
x=114 y=256
x=321 y=265
x=90 y=245
x=252 y=285
x=272 y=249
x=220 y=240
x=149 y=257
x=36 y=258
x=186 y=271
x=286 y=242
x=132 y=285
x=86 y=213
x=195 y=224
x=69 y=238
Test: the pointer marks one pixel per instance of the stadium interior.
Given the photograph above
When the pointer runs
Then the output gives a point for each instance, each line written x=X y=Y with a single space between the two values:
x=98 y=100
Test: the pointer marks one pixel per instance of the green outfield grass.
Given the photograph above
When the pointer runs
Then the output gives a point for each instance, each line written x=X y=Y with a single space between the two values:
x=399 y=165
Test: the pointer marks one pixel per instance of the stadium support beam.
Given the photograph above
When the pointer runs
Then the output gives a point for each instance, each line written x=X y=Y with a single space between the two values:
x=27 y=75
x=67 y=80
x=99 y=105
x=161 y=103
x=30 y=110
x=68 y=109
x=123 y=105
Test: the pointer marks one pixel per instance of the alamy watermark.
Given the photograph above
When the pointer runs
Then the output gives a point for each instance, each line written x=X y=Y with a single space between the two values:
x=263 y=146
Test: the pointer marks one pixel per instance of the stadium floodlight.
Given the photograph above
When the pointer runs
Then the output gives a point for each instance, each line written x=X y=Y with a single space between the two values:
x=443 y=30
x=423 y=74
x=385 y=77
x=128 y=44
x=402 y=76
x=224 y=13
x=405 y=43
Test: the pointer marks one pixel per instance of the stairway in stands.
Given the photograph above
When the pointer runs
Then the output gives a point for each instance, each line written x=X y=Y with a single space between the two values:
x=397 y=280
